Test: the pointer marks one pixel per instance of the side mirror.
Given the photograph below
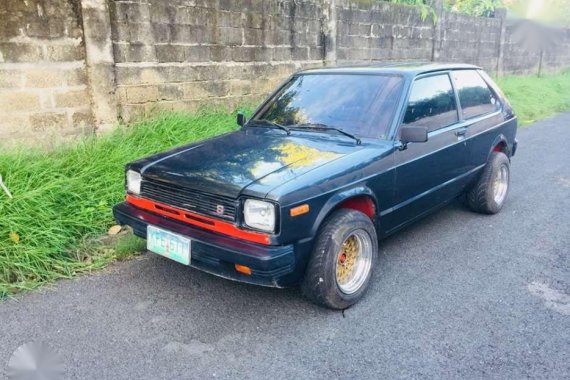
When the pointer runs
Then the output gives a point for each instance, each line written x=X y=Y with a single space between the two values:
x=241 y=120
x=414 y=134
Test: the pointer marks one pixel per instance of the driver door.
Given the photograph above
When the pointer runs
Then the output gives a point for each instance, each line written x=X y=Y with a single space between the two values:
x=427 y=173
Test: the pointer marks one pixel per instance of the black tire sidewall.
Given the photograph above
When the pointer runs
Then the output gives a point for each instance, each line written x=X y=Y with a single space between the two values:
x=481 y=197
x=320 y=283
x=498 y=160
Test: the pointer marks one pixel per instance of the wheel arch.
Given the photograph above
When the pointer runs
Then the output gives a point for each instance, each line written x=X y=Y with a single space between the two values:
x=500 y=144
x=359 y=198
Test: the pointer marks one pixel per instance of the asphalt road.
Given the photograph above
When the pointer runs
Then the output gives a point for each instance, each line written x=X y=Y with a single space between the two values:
x=457 y=295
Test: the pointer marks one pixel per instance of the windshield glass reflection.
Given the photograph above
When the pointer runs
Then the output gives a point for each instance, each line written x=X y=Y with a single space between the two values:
x=363 y=105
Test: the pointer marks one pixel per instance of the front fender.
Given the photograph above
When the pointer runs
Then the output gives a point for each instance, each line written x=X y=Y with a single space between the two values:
x=336 y=199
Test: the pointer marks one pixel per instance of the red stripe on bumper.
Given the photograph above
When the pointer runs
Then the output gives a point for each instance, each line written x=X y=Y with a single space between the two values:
x=198 y=220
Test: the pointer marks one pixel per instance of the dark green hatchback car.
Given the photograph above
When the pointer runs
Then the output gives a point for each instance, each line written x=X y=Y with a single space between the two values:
x=333 y=161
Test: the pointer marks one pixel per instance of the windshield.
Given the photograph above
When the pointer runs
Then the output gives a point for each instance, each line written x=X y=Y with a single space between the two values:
x=363 y=105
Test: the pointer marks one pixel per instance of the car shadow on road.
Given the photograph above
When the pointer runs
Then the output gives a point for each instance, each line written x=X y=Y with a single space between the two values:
x=221 y=294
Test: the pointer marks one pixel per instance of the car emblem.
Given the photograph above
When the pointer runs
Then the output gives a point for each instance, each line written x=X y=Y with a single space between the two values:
x=220 y=210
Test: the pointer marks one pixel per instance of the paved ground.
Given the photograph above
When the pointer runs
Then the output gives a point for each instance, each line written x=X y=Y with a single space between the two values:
x=457 y=295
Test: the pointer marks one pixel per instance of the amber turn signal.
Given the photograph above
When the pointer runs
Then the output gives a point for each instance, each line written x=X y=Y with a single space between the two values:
x=243 y=269
x=299 y=210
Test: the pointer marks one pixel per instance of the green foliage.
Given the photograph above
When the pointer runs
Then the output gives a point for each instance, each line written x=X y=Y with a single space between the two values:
x=127 y=245
x=535 y=98
x=484 y=8
x=549 y=11
x=60 y=197
x=424 y=6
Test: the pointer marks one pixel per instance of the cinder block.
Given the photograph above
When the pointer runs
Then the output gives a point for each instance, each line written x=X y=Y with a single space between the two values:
x=41 y=122
x=11 y=78
x=254 y=20
x=219 y=88
x=142 y=94
x=14 y=123
x=120 y=31
x=140 y=32
x=170 y=91
x=20 y=52
x=195 y=90
x=64 y=53
x=134 y=52
x=131 y=11
x=282 y=54
x=263 y=54
x=229 y=19
x=45 y=28
x=256 y=6
x=82 y=119
x=282 y=37
x=300 y=53
x=184 y=34
x=131 y=112
x=197 y=53
x=230 y=36
x=229 y=5
x=220 y=53
x=153 y=75
x=243 y=54
x=75 y=77
x=183 y=106
x=253 y=36
x=19 y=101
x=170 y=53
x=316 y=53
x=70 y=99
x=240 y=87
x=160 y=33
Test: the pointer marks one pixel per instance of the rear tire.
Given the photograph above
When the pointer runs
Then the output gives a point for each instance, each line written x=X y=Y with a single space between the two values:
x=490 y=192
x=342 y=261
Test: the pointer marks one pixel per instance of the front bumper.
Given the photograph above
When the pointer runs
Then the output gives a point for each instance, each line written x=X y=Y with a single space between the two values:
x=217 y=254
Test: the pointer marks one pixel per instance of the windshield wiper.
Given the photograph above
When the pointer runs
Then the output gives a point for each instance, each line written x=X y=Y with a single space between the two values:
x=270 y=123
x=324 y=127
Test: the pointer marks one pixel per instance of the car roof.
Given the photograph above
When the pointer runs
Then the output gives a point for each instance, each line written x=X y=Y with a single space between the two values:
x=410 y=69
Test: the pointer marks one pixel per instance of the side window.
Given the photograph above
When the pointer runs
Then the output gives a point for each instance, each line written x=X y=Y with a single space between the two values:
x=475 y=96
x=431 y=103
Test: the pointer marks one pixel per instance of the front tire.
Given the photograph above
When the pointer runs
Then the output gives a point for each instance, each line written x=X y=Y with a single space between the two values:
x=342 y=261
x=490 y=192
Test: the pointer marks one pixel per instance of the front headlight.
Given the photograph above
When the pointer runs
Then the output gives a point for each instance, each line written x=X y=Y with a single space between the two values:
x=134 y=180
x=259 y=215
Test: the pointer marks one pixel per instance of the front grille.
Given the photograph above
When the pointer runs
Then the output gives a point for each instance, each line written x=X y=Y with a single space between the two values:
x=194 y=201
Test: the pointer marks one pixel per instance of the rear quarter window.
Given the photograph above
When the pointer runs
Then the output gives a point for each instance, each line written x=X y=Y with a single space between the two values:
x=475 y=96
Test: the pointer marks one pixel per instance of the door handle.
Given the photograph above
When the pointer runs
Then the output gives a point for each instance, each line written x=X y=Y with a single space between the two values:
x=461 y=132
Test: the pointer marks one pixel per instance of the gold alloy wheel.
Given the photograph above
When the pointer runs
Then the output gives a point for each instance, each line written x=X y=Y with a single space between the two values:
x=501 y=184
x=353 y=262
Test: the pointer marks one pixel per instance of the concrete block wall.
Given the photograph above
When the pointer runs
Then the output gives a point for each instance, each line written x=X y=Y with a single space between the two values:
x=43 y=83
x=381 y=32
x=69 y=67
x=470 y=39
x=181 y=55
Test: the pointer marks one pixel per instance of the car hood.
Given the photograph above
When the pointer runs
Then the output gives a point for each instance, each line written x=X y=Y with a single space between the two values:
x=228 y=164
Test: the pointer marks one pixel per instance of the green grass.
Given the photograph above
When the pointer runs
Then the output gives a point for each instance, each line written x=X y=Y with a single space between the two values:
x=535 y=98
x=127 y=245
x=62 y=199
